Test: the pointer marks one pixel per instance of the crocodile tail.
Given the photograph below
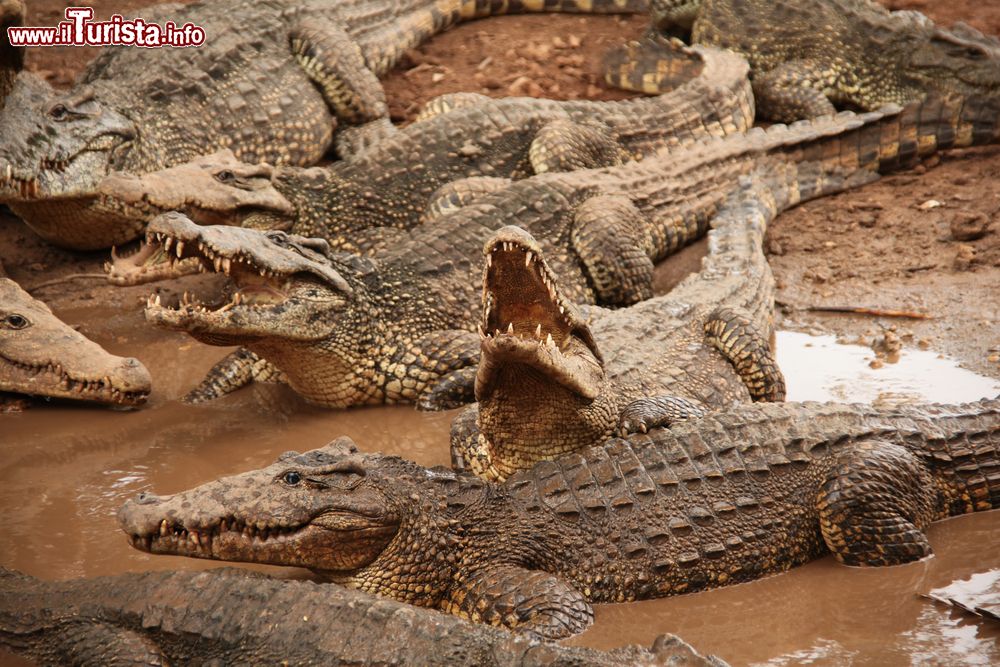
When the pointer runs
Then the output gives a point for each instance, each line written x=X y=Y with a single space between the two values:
x=652 y=65
x=898 y=138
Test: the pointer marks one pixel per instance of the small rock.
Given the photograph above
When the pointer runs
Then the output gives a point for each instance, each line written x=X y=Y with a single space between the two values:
x=775 y=248
x=929 y=204
x=437 y=77
x=969 y=226
x=876 y=363
x=965 y=255
x=924 y=344
x=993 y=358
x=575 y=41
x=867 y=220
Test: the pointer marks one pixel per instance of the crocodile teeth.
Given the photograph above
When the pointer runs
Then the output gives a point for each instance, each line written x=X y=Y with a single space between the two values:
x=528 y=256
x=169 y=241
x=217 y=262
x=489 y=260
x=549 y=341
x=510 y=328
x=482 y=334
x=163 y=527
x=538 y=331
x=226 y=265
x=179 y=248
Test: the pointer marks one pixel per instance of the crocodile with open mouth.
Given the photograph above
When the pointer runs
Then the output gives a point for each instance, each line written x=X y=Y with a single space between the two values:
x=357 y=205
x=40 y=355
x=270 y=82
x=731 y=497
x=405 y=331
x=808 y=55
x=236 y=617
x=554 y=378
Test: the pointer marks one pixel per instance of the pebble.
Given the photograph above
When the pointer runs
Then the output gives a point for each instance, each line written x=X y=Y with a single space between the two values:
x=969 y=226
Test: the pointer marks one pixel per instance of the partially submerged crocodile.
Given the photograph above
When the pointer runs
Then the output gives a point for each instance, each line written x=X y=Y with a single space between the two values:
x=268 y=83
x=40 y=355
x=232 y=616
x=357 y=204
x=404 y=331
x=727 y=498
x=554 y=378
x=808 y=55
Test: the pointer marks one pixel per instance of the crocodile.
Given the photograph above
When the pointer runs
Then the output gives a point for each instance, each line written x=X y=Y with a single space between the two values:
x=554 y=378
x=728 y=498
x=231 y=616
x=270 y=82
x=11 y=58
x=405 y=330
x=808 y=55
x=40 y=355
x=357 y=204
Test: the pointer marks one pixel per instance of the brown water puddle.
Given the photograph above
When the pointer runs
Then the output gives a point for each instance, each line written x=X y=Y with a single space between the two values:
x=65 y=471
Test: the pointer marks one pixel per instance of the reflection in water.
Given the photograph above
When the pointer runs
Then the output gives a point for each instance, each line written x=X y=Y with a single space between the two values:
x=65 y=471
x=817 y=368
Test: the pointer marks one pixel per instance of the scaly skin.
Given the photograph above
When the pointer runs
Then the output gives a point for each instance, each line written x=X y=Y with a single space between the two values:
x=235 y=617
x=728 y=498
x=807 y=55
x=406 y=331
x=553 y=379
x=358 y=204
x=42 y=356
x=270 y=83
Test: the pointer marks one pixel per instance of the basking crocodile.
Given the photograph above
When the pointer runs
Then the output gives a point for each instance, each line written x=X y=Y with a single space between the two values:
x=269 y=82
x=230 y=616
x=404 y=331
x=554 y=379
x=40 y=355
x=727 y=498
x=808 y=55
x=357 y=204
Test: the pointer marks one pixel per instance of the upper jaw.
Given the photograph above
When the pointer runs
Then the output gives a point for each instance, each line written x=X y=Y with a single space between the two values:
x=527 y=321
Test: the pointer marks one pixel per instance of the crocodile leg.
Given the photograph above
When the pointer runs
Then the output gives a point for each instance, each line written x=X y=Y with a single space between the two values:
x=564 y=145
x=873 y=507
x=609 y=235
x=451 y=357
x=336 y=65
x=651 y=411
x=236 y=370
x=794 y=90
x=461 y=192
x=739 y=341
x=529 y=601
x=353 y=140
x=464 y=437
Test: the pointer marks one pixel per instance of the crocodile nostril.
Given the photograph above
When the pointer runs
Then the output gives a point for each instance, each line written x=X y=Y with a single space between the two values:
x=147 y=498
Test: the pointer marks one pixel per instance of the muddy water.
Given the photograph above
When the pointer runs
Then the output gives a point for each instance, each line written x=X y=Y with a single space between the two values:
x=65 y=470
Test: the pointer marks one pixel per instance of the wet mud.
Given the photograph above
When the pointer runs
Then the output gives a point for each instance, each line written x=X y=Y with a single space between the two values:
x=65 y=470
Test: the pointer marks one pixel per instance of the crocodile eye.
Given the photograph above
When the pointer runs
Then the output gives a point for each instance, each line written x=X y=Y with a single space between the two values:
x=225 y=176
x=292 y=478
x=15 y=321
x=59 y=112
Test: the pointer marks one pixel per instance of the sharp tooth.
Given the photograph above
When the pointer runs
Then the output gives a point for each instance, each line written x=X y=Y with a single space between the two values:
x=489 y=260
x=527 y=258
x=510 y=327
x=237 y=299
x=157 y=301
x=179 y=249
x=223 y=526
x=548 y=340
x=496 y=332
x=163 y=527
x=114 y=252
x=167 y=243
x=193 y=535
x=482 y=334
x=562 y=311
x=218 y=264
x=538 y=331
x=226 y=265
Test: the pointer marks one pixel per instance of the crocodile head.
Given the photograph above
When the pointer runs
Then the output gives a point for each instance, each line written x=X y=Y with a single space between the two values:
x=42 y=356
x=958 y=60
x=347 y=516
x=216 y=189
x=540 y=382
x=54 y=150
x=286 y=301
